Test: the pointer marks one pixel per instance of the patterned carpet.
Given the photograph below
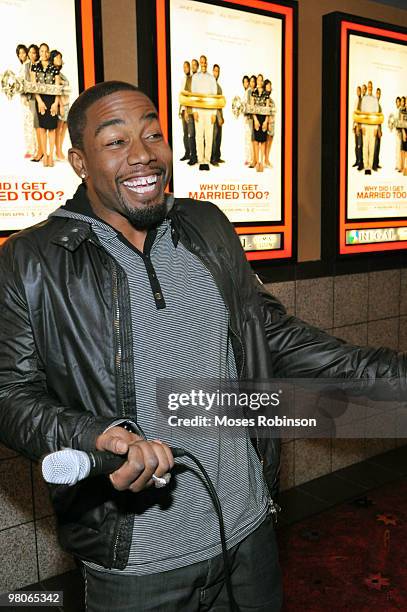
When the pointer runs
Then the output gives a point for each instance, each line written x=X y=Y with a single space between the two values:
x=351 y=557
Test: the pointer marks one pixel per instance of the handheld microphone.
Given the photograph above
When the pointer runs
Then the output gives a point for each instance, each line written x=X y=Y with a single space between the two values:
x=69 y=466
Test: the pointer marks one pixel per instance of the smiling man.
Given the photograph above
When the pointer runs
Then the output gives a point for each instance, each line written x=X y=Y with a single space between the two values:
x=124 y=161
x=120 y=287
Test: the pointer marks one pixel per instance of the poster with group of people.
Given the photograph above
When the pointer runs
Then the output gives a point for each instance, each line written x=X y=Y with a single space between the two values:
x=377 y=129
x=38 y=82
x=226 y=71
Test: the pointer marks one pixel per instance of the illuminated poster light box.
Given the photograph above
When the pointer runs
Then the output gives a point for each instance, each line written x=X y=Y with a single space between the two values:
x=230 y=147
x=30 y=190
x=364 y=136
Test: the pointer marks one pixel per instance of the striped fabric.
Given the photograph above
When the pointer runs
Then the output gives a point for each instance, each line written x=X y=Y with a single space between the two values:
x=177 y=526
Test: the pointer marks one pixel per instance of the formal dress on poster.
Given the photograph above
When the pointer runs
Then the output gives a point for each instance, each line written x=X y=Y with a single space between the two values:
x=46 y=75
x=260 y=99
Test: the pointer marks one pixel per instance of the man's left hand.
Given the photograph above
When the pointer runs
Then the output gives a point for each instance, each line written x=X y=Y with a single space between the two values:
x=144 y=458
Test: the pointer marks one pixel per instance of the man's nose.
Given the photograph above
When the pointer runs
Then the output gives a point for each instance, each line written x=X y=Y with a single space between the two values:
x=139 y=152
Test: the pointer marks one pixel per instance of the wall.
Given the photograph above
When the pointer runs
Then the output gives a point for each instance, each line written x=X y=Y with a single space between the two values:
x=28 y=543
x=119 y=40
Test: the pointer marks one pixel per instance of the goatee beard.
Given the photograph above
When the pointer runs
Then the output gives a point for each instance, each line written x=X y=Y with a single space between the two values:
x=147 y=217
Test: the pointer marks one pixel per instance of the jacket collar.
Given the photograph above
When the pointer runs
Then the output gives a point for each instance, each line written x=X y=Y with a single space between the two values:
x=80 y=203
x=72 y=234
x=75 y=232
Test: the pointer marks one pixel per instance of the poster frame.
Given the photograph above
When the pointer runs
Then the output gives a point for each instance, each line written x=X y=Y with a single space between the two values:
x=153 y=24
x=337 y=27
x=89 y=45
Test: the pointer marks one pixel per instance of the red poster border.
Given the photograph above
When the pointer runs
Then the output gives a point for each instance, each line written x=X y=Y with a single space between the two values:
x=344 y=249
x=88 y=47
x=285 y=228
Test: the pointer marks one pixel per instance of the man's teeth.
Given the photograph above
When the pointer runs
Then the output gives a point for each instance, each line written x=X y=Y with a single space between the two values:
x=142 y=184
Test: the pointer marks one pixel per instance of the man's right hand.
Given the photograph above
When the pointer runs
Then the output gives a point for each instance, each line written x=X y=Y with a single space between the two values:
x=144 y=458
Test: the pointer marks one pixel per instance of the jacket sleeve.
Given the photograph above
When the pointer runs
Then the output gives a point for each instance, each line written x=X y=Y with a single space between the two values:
x=32 y=422
x=299 y=350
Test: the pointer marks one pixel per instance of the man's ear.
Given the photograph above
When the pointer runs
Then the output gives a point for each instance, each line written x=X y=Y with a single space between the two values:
x=77 y=161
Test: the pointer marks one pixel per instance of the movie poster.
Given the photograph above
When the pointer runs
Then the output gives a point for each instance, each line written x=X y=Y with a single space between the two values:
x=227 y=129
x=377 y=131
x=35 y=176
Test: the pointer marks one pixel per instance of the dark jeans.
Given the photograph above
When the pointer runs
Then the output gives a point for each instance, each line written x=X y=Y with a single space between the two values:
x=256 y=581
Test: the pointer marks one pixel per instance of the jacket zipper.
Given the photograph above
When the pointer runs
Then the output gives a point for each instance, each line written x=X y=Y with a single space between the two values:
x=118 y=365
x=258 y=450
x=273 y=509
x=118 y=353
x=241 y=346
x=116 y=324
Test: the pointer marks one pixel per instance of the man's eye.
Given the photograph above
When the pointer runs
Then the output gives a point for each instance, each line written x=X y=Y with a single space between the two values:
x=112 y=143
x=155 y=136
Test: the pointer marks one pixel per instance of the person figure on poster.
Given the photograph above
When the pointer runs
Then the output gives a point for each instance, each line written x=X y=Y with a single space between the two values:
x=34 y=55
x=47 y=105
x=194 y=66
x=252 y=87
x=364 y=90
x=122 y=264
x=193 y=159
x=28 y=125
x=191 y=122
x=204 y=83
x=260 y=98
x=376 y=160
x=56 y=60
x=369 y=104
x=216 y=157
x=357 y=130
x=403 y=117
x=248 y=122
x=271 y=121
x=398 y=137
x=183 y=115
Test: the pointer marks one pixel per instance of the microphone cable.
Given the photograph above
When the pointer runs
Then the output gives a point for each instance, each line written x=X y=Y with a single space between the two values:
x=179 y=452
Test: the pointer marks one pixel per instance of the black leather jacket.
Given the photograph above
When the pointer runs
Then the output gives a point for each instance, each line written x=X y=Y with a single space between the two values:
x=66 y=364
